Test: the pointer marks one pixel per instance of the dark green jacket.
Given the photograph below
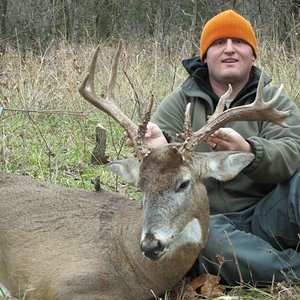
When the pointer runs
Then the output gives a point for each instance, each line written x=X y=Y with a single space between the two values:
x=276 y=149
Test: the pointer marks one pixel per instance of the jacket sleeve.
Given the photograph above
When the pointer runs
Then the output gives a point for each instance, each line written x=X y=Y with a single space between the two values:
x=169 y=115
x=276 y=149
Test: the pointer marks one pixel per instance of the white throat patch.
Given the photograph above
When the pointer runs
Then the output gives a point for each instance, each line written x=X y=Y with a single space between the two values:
x=192 y=233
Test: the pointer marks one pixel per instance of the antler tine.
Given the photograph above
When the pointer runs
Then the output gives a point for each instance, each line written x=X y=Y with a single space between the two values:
x=108 y=105
x=259 y=103
x=259 y=110
x=113 y=73
x=187 y=126
x=188 y=132
x=145 y=119
x=221 y=104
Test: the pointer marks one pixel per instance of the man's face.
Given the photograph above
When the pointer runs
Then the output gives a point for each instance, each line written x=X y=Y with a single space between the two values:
x=229 y=61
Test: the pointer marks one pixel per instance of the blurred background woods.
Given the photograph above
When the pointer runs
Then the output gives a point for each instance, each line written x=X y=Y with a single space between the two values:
x=33 y=24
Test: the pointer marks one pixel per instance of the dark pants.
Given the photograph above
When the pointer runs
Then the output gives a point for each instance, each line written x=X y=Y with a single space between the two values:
x=260 y=244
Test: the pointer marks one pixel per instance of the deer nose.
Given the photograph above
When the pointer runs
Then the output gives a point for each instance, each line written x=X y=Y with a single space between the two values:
x=152 y=247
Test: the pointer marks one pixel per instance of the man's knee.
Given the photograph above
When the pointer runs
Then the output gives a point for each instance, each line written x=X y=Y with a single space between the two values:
x=218 y=246
x=295 y=184
x=220 y=227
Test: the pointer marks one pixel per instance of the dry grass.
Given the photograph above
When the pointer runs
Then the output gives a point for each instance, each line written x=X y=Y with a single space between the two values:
x=47 y=129
x=282 y=65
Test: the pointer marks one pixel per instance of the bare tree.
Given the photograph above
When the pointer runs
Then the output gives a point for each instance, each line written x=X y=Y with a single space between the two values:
x=71 y=11
x=3 y=10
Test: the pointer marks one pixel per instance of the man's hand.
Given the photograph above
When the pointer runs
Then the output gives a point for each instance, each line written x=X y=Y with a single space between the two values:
x=154 y=137
x=227 y=139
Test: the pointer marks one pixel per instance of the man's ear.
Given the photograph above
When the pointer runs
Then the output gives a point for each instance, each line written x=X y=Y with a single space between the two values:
x=223 y=165
x=128 y=169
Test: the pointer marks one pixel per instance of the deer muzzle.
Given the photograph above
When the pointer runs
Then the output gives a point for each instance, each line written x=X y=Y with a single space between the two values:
x=153 y=248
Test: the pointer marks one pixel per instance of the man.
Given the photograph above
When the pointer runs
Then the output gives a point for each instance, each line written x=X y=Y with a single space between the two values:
x=255 y=218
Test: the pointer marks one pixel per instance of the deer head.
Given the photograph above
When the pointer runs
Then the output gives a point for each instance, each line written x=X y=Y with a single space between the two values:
x=175 y=203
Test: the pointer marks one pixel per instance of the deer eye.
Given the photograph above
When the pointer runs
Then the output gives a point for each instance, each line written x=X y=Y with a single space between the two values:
x=182 y=186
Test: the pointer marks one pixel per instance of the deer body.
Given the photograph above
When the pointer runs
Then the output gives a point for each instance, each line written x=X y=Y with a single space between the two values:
x=62 y=243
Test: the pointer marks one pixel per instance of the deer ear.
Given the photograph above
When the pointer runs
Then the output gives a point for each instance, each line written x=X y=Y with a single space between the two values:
x=222 y=166
x=128 y=169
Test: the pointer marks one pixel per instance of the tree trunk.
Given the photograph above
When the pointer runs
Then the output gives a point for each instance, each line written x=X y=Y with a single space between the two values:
x=98 y=156
x=71 y=20
x=3 y=10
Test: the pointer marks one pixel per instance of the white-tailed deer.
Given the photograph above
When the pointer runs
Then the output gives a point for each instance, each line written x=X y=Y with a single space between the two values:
x=71 y=244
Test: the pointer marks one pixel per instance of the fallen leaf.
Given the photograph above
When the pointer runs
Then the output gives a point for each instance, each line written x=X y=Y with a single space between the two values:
x=207 y=285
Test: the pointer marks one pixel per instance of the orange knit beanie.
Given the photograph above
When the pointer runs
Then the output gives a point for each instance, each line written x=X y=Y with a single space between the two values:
x=227 y=24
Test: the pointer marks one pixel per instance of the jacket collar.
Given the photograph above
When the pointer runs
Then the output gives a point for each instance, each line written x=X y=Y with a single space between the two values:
x=198 y=85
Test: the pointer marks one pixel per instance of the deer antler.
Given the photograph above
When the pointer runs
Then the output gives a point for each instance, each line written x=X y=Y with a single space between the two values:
x=259 y=110
x=109 y=105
